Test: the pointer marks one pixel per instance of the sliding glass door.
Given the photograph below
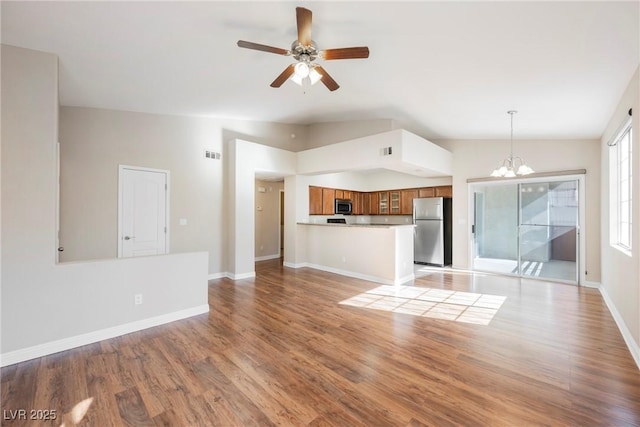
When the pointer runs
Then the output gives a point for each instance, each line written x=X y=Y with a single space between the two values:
x=528 y=229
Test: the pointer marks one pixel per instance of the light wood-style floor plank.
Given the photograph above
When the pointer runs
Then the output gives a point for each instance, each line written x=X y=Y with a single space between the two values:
x=281 y=349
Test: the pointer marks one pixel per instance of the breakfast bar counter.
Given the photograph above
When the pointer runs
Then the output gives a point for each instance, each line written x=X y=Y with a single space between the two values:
x=381 y=253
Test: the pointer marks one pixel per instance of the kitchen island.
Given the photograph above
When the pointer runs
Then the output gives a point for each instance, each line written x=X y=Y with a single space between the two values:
x=376 y=252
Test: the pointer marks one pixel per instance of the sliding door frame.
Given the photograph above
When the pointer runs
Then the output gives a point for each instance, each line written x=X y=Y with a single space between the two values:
x=579 y=176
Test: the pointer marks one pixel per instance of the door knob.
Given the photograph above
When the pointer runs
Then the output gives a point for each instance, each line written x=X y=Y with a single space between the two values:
x=128 y=237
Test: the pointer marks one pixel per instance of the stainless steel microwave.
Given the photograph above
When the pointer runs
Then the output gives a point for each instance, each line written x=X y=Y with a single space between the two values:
x=343 y=207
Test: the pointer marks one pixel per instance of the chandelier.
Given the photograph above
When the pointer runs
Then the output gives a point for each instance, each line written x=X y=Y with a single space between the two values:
x=512 y=165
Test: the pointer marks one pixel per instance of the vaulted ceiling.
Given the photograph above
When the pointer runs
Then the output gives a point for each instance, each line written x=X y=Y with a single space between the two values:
x=440 y=69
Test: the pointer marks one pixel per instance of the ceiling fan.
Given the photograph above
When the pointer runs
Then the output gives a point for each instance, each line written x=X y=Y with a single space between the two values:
x=305 y=51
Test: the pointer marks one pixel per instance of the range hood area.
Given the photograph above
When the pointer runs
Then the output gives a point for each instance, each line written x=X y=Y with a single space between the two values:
x=396 y=150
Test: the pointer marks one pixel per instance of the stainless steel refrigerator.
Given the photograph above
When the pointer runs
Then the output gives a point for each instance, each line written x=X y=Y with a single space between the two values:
x=432 y=240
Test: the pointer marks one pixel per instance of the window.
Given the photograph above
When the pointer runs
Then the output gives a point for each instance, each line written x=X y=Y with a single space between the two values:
x=621 y=196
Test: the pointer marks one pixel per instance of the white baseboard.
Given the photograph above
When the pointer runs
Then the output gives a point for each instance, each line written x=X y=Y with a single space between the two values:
x=241 y=276
x=588 y=284
x=294 y=265
x=626 y=334
x=231 y=275
x=40 y=350
x=267 y=257
x=357 y=275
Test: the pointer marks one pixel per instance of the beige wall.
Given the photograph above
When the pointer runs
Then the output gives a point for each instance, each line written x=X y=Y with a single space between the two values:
x=621 y=272
x=49 y=307
x=94 y=142
x=477 y=158
x=267 y=218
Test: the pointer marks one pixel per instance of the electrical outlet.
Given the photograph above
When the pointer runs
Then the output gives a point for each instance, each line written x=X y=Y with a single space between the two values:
x=137 y=299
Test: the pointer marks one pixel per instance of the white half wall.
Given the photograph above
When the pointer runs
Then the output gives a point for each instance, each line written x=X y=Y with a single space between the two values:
x=47 y=306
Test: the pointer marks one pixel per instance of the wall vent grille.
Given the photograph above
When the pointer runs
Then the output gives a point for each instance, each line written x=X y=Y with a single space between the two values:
x=386 y=151
x=214 y=155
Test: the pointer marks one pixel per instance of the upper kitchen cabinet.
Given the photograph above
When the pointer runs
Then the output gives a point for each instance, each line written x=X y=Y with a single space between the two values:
x=406 y=198
x=374 y=203
x=360 y=203
x=426 y=192
x=444 y=191
x=383 y=203
x=328 y=201
x=394 y=202
x=315 y=200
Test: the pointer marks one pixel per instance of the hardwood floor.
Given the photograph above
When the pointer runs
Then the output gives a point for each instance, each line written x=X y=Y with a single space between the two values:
x=282 y=350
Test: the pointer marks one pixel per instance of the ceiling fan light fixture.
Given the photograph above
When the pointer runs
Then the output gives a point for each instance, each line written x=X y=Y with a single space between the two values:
x=296 y=79
x=314 y=75
x=302 y=70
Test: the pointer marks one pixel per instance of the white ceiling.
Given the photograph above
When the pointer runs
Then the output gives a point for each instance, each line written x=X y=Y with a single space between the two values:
x=440 y=69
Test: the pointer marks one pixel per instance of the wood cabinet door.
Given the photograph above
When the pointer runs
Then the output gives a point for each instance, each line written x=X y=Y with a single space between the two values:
x=444 y=191
x=407 y=201
x=339 y=194
x=374 y=204
x=347 y=195
x=394 y=202
x=383 y=203
x=365 y=204
x=355 y=203
x=315 y=200
x=427 y=192
x=328 y=201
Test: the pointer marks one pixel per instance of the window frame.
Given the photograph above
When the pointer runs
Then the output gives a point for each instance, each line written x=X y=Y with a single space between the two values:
x=621 y=191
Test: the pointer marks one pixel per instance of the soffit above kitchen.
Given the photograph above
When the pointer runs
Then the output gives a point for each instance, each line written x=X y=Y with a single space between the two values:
x=397 y=150
x=442 y=70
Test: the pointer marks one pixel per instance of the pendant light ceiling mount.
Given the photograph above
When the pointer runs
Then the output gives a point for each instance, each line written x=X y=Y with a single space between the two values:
x=512 y=165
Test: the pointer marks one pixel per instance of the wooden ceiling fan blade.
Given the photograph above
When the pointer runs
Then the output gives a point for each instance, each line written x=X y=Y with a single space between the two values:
x=263 y=48
x=327 y=79
x=283 y=76
x=345 y=53
x=303 y=19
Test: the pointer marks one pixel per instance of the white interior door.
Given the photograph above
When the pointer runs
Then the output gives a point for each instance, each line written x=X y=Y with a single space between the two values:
x=143 y=212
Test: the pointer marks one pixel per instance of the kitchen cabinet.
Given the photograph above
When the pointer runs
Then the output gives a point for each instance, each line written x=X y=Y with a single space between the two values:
x=383 y=203
x=315 y=200
x=360 y=203
x=374 y=204
x=328 y=201
x=407 y=197
x=444 y=191
x=394 y=202
x=426 y=192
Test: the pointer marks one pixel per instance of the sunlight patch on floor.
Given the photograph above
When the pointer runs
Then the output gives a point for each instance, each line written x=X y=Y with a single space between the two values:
x=444 y=304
